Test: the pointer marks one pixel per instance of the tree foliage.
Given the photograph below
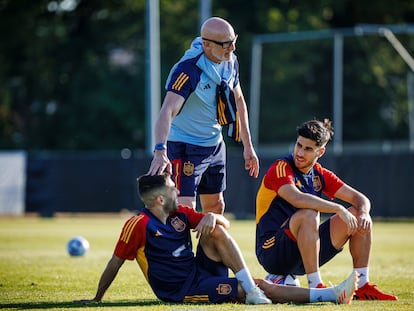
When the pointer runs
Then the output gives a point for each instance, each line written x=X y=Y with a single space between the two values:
x=72 y=72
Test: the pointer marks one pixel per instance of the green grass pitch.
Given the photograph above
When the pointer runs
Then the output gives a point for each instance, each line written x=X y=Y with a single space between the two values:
x=36 y=273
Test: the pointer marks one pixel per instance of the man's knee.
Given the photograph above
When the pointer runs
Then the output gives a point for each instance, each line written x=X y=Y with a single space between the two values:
x=216 y=207
x=212 y=242
x=219 y=233
x=305 y=222
x=307 y=217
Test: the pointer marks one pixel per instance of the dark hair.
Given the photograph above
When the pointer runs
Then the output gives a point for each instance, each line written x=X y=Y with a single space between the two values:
x=147 y=183
x=318 y=131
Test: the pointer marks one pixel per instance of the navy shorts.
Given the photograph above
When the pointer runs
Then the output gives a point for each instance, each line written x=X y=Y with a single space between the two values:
x=212 y=283
x=198 y=169
x=284 y=257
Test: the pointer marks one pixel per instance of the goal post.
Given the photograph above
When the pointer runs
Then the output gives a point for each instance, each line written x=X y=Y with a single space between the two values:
x=337 y=36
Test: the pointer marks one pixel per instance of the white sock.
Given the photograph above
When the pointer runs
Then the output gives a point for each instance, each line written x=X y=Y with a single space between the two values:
x=245 y=279
x=321 y=294
x=314 y=279
x=363 y=274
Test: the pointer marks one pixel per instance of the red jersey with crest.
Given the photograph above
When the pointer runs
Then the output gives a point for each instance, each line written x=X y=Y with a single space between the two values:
x=272 y=210
x=164 y=252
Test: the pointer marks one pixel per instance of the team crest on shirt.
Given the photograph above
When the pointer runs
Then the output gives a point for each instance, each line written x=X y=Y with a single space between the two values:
x=224 y=289
x=178 y=224
x=188 y=168
x=317 y=184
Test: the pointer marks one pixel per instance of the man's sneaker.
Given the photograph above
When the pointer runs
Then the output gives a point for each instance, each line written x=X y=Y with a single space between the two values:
x=257 y=297
x=345 y=291
x=275 y=278
x=279 y=279
x=371 y=292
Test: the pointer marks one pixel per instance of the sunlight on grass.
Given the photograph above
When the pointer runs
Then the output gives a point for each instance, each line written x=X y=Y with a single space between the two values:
x=37 y=273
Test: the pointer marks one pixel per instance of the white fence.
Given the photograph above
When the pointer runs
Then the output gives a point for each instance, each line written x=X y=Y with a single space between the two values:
x=12 y=182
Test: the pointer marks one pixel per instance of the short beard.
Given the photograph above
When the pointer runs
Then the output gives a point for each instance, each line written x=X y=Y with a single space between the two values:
x=170 y=205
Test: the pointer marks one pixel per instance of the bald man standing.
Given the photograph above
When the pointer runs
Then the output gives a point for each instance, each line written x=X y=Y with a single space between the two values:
x=203 y=96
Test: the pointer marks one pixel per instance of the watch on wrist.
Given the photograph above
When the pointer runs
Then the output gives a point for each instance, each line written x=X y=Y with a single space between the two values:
x=160 y=146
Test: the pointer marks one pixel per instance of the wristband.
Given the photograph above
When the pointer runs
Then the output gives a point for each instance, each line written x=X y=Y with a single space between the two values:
x=160 y=146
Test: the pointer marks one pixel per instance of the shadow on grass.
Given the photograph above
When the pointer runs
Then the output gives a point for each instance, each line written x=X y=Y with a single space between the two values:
x=67 y=305
x=70 y=304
